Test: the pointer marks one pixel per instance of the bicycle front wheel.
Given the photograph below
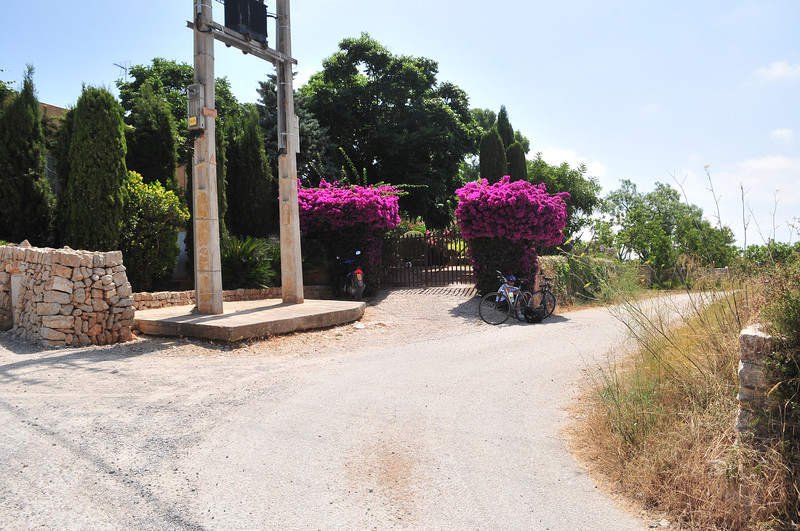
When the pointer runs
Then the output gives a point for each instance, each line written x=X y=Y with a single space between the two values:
x=494 y=308
x=544 y=300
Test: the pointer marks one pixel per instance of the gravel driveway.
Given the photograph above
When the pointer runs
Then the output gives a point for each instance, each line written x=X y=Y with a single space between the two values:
x=420 y=416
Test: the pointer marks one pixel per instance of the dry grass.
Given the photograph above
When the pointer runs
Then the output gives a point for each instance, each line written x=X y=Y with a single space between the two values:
x=660 y=425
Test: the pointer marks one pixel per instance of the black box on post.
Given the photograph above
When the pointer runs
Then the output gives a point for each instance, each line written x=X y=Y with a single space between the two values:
x=248 y=17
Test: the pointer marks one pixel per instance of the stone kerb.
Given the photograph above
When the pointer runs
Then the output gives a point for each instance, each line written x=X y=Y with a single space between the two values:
x=754 y=346
x=63 y=297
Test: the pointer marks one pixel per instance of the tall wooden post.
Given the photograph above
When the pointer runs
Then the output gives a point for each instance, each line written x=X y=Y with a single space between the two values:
x=288 y=144
x=207 y=268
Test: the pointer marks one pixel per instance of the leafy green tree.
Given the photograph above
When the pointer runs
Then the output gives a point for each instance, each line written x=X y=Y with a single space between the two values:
x=584 y=191
x=169 y=79
x=504 y=127
x=166 y=78
x=658 y=227
x=251 y=187
x=392 y=119
x=27 y=203
x=151 y=139
x=6 y=91
x=647 y=235
x=696 y=237
x=469 y=170
x=772 y=253
x=493 y=164
x=484 y=118
x=517 y=165
x=97 y=172
x=317 y=158
x=152 y=218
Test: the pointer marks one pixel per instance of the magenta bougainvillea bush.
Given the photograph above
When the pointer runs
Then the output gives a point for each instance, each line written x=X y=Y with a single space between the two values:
x=517 y=211
x=333 y=206
x=504 y=222
x=345 y=219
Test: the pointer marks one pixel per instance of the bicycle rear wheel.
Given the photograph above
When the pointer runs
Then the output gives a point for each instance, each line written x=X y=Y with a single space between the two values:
x=494 y=308
x=545 y=300
x=525 y=300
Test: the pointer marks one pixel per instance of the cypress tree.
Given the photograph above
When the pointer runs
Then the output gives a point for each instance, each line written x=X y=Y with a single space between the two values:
x=61 y=153
x=27 y=203
x=151 y=139
x=97 y=172
x=492 y=156
x=222 y=181
x=504 y=128
x=517 y=165
x=250 y=183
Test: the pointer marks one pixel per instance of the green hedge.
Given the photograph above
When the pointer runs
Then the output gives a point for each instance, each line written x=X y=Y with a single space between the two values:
x=579 y=279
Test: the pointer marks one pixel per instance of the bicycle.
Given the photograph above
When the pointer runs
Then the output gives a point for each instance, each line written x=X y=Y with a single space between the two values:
x=496 y=307
x=543 y=298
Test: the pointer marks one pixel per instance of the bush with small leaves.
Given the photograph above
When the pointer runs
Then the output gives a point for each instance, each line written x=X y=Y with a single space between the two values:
x=151 y=222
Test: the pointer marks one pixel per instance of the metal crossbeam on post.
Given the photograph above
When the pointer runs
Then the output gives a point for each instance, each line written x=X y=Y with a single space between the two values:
x=208 y=276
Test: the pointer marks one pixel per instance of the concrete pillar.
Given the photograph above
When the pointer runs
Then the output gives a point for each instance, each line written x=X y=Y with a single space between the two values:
x=207 y=269
x=288 y=141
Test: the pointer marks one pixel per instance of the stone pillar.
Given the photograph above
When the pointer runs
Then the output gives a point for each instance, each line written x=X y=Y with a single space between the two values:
x=754 y=346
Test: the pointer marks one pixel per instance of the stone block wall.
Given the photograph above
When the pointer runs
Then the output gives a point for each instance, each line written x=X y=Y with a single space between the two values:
x=754 y=346
x=65 y=297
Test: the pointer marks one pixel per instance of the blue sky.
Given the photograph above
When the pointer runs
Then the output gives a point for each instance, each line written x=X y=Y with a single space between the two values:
x=636 y=90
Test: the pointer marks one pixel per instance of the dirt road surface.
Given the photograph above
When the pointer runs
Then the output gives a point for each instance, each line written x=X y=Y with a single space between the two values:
x=420 y=416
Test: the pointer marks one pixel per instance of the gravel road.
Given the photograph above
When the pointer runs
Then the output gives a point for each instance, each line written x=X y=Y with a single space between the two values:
x=420 y=416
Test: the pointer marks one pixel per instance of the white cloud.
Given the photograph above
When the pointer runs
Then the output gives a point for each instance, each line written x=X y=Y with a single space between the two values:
x=779 y=70
x=785 y=135
x=773 y=168
x=556 y=156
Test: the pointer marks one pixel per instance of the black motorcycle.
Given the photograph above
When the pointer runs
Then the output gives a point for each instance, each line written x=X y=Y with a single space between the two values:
x=351 y=284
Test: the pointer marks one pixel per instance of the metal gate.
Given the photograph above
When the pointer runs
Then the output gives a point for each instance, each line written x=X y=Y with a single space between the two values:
x=430 y=259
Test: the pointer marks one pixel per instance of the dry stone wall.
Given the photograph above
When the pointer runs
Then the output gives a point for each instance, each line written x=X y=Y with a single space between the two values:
x=63 y=297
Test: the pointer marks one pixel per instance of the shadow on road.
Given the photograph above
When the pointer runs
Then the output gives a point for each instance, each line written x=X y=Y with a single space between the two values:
x=28 y=357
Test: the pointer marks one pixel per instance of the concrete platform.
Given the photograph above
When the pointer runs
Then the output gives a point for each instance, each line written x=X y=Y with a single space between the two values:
x=248 y=319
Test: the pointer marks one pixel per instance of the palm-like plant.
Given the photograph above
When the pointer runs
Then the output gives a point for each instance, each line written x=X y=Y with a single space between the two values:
x=248 y=263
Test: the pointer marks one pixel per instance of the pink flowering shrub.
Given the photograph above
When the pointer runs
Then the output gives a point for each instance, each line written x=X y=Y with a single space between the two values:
x=346 y=219
x=332 y=206
x=517 y=211
x=504 y=222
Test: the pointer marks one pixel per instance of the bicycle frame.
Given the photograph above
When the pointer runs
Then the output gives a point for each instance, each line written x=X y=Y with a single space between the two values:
x=512 y=294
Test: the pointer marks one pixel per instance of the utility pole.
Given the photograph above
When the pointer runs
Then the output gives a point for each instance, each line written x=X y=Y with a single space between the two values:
x=202 y=114
x=207 y=269
x=288 y=147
